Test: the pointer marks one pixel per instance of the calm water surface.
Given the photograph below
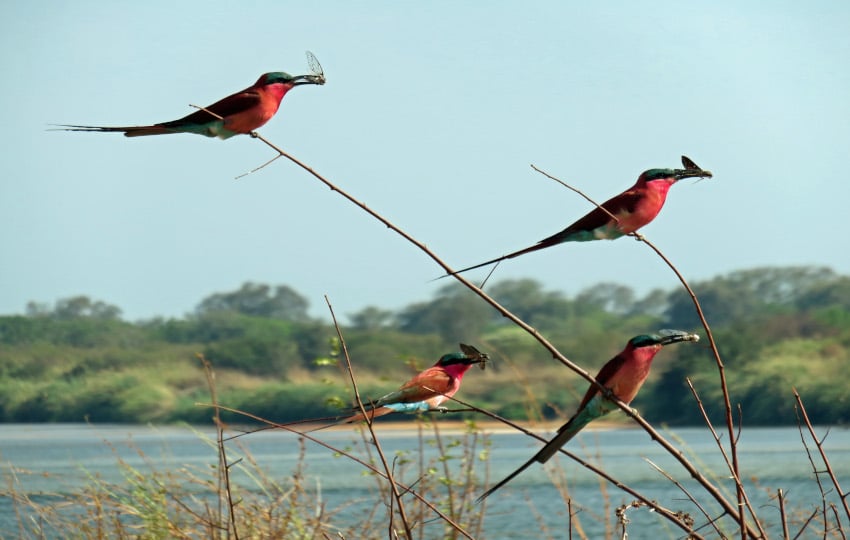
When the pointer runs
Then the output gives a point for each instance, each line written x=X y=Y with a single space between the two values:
x=43 y=461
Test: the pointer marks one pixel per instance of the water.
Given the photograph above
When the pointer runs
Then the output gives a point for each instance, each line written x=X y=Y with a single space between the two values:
x=49 y=462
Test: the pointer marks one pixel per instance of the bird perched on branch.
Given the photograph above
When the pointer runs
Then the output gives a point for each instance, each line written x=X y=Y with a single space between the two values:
x=240 y=113
x=622 y=376
x=622 y=215
x=427 y=390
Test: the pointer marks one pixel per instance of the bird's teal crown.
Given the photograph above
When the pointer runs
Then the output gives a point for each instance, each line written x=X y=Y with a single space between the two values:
x=453 y=358
x=278 y=77
x=663 y=337
x=658 y=174
x=645 y=340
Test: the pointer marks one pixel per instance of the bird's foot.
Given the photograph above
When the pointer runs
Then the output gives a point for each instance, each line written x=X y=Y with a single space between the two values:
x=443 y=410
x=254 y=134
x=639 y=237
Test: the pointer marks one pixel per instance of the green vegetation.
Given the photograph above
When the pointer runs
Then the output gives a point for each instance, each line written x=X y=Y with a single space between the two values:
x=776 y=328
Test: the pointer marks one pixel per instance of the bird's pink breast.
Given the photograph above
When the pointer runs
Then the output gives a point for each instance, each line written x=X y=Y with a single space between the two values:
x=633 y=373
x=647 y=208
x=251 y=119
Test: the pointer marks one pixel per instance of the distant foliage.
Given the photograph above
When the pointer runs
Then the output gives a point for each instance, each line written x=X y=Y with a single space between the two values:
x=775 y=328
x=258 y=300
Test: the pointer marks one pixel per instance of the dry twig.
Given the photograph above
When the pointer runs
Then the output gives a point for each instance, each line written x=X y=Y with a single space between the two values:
x=387 y=469
x=223 y=464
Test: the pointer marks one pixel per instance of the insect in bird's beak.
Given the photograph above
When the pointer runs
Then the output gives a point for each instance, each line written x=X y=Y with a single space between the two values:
x=691 y=170
x=318 y=74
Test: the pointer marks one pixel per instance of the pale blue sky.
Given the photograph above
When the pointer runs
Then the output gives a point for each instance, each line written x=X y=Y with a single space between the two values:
x=432 y=113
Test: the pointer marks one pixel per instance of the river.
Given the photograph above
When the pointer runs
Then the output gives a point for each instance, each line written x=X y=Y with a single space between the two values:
x=49 y=464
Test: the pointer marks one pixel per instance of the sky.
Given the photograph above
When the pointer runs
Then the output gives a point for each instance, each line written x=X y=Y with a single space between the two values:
x=432 y=114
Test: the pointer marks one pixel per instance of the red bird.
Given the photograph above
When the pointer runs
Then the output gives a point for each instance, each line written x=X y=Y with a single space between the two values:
x=240 y=113
x=623 y=376
x=633 y=208
x=429 y=389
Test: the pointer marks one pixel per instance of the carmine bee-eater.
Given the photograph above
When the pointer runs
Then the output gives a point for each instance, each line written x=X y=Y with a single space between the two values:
x=633 y=208
x=623 y=376
x=240 y=113
x=429 y=389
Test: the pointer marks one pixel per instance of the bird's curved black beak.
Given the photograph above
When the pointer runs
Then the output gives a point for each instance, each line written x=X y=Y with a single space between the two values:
x=666 y=337
x=308 y=79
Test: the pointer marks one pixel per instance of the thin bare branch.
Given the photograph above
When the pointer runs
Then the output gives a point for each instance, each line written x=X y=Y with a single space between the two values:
x=806 y=523
x=223 y=464
x=209 y=112
x=387 y=469
x=714 y=434
x=687 y=493
x=780 y=496
x=258 y=168
x=819 y=443
x=838 y=527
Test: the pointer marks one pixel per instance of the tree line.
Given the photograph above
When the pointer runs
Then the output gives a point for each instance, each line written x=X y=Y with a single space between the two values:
x=776 y=328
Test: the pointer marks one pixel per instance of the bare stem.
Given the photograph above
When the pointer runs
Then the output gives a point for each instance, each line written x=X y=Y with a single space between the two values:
x=223 y=464
x=387 y=469
x=687 y=493
x=714 y=434
x=727 y=403
x=780 y=496
x=819 y=443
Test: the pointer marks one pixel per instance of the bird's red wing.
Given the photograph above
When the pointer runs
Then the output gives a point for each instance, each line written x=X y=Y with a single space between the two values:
x=625 y=202
x=228 y=106
x=431 y=382
x=604 y=377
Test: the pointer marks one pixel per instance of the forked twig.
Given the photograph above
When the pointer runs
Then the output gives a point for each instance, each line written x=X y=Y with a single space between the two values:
x=687 y=493
x=838 y=521
x=819 y=443
x=780 y=496
x=223 y=464
x=387 y=469
x=743 y=500
x=714 y=434
x=806 y=523
x=260 y=167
